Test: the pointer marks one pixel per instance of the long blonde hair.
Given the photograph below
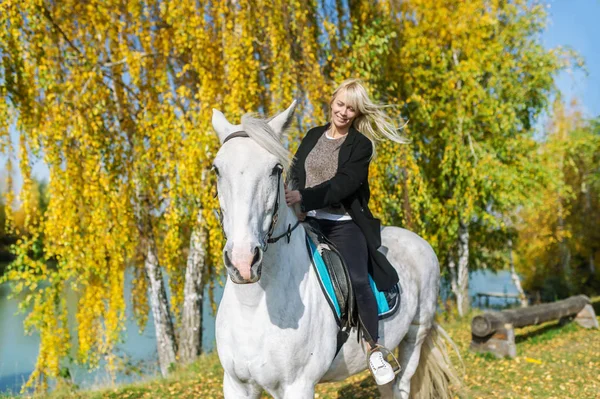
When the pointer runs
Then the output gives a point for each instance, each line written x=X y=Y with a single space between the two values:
x=372 y=121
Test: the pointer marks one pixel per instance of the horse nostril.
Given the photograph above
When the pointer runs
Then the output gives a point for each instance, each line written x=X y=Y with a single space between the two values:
x=227 y=260
x=257 y=255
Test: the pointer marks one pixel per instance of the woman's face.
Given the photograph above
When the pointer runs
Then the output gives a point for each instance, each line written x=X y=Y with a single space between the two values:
x=343 y=114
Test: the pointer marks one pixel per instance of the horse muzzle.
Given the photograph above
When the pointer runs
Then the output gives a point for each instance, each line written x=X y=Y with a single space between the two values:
x=244 y=268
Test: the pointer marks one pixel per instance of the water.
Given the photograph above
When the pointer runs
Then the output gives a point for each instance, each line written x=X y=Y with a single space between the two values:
x=486 y=281
x=18 y=351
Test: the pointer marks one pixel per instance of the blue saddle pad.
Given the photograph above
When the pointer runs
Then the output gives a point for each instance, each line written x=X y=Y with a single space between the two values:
x=387 y=302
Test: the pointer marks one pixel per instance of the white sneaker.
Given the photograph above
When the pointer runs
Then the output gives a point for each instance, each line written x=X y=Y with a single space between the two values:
x=380 y=368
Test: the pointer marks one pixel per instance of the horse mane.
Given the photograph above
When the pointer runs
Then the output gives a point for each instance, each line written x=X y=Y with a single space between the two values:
x=261 y=132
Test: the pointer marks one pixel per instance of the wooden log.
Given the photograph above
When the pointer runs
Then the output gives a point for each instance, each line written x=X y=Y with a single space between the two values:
x=487 y=323
x=501 y=343
x=490 y=322
x=493 y=332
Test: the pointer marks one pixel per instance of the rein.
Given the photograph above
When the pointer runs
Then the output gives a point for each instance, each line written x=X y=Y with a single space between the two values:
x=268 y=239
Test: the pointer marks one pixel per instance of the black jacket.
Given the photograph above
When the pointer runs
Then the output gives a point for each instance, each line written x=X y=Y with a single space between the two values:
x=349 y=187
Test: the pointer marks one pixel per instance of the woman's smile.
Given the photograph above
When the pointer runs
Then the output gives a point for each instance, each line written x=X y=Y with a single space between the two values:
x=342 y=119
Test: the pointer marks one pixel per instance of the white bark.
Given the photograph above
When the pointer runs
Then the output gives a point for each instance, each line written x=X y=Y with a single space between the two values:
x=166 y=345
x=453 y=275
x=163 y=325
x=462 y=286
x=515 y=277
x=190 y=340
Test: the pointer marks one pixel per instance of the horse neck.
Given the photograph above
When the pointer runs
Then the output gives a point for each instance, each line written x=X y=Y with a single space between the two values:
x=285 y=265
x=285 y=262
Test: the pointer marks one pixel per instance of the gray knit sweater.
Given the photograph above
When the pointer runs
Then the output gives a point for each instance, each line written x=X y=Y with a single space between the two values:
x=321 y=165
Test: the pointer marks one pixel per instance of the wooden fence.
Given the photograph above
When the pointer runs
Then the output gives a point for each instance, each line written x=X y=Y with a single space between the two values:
x=483 y=298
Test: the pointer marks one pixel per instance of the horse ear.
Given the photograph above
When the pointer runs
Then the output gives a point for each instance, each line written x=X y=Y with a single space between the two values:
x=282 y=121
x=222 y=125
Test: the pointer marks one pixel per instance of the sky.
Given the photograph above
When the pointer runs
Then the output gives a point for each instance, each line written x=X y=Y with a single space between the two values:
x=572 y=23
x=576 y=24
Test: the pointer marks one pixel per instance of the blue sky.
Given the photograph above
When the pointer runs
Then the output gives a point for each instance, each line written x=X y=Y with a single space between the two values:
x=572 y=23
x=576 y=23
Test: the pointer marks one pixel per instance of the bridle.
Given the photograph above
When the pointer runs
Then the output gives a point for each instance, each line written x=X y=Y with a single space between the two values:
x=268 y=239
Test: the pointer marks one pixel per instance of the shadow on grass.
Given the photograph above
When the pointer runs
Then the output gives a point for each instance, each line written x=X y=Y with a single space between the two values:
x=546 y=332
x=537 y=332
x=365 y=389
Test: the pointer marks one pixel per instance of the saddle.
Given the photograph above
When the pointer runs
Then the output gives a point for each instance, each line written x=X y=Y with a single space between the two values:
x=337 y=288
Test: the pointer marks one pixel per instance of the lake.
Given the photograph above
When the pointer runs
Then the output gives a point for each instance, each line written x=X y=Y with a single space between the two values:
x=18 y=351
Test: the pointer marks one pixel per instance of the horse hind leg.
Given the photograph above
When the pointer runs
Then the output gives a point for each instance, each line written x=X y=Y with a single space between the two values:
x=410 y=355
x=429 y=372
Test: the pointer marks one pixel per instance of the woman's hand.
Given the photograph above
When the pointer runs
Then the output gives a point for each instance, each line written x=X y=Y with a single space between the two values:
x=292 y=197
x=301 y=216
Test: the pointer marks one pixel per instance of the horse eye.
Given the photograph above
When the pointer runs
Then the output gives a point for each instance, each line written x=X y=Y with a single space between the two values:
x=277 y=169
x=215 y=169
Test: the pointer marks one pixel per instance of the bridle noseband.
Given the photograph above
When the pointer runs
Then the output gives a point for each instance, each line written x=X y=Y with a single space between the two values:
x=268 y=238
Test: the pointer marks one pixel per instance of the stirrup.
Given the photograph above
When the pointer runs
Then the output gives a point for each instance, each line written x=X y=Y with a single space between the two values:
x=387 y=356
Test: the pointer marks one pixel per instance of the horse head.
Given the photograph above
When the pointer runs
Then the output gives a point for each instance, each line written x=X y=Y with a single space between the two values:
x=249 y=166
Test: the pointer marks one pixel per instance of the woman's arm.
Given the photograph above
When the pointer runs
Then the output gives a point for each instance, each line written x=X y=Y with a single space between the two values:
x=293 y=175
x=294 y=170
x=345 y=182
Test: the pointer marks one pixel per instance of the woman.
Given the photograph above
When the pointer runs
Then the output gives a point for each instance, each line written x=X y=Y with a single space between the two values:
x=331 y=173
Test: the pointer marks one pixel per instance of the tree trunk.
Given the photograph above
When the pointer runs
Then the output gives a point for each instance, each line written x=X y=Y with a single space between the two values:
x=166 y=344
x=190 y=339
x=453 y=275
x=163 y=325
x=515 y=277
x=462 y=286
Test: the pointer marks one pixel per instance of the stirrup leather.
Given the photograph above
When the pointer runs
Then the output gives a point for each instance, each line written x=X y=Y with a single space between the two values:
x=388 y=356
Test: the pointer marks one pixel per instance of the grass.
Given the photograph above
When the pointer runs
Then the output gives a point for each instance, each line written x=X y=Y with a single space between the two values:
x=553 y=361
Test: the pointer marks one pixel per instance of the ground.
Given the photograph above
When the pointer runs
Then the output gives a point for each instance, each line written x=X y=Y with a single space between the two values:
x=553 y=361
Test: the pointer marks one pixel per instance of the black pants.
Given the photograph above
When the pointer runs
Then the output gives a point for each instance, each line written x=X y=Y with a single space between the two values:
x=351 y=242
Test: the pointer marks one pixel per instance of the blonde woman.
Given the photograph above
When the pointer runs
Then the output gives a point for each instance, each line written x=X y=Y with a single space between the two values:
x=331 y=172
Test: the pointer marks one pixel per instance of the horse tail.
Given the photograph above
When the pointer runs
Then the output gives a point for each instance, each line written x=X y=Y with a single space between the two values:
x=435 y=376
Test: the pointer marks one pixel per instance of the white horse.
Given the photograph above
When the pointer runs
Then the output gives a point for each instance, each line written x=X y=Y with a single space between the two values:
x=274 y=328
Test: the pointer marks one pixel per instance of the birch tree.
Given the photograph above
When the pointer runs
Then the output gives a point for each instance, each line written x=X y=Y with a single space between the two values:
x=558 y=233
x=474 y=76
x=116 y=98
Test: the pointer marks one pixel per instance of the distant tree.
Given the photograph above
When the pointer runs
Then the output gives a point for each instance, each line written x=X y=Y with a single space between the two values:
x=559 y=240
x=474 y=76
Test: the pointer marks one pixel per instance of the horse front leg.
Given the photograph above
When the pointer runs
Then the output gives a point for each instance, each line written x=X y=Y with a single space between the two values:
x=296 y=390
x=236 y=389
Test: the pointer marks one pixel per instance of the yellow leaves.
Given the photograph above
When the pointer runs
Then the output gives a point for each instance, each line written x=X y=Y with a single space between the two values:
x=531 y=360
x=130 y=110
